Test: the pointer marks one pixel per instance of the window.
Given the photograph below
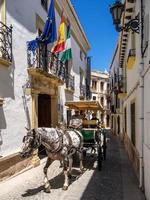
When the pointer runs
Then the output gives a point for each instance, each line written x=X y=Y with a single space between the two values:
x=94 y=84
x=81 y=55
x=108 y=87
x=102 y=86
x=132 y=108
x=44 y=3
x=102 y=101
x=108 y=104
x=94 y=98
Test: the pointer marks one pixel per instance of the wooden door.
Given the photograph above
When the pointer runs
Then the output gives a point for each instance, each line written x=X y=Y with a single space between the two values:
x=44 y=110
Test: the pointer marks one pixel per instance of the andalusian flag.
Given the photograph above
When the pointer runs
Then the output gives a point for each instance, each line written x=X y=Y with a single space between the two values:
x=67 y=54
x=60 y=45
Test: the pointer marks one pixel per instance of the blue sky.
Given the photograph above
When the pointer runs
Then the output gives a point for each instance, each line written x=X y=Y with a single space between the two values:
x=96 y=20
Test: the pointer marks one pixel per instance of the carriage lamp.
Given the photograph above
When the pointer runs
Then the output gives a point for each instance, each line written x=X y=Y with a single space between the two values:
x=116 y=9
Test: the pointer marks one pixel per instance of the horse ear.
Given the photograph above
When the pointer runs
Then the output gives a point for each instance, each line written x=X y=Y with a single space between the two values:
x=27 y=128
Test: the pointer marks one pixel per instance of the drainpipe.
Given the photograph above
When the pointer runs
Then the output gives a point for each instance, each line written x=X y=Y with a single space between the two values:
x=141 y=181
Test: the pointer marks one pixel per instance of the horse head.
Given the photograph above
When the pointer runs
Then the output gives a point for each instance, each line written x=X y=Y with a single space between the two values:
x=31 y=141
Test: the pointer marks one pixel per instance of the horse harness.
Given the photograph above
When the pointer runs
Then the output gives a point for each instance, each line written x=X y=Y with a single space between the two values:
x=59 y=140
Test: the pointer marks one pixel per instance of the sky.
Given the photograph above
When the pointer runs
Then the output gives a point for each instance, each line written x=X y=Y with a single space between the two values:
x=96 y=21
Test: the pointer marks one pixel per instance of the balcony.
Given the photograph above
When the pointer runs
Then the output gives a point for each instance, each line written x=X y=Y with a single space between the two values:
x=70 y=84
x=131 y=58
x=5 y=44
x=121 y=87
x=82 y=91
x=46 y=65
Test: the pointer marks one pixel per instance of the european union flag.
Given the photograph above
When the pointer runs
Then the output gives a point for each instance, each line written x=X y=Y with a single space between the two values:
x=49 y=34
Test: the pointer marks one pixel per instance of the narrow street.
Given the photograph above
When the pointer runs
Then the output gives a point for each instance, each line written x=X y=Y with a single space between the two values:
x=116 y=181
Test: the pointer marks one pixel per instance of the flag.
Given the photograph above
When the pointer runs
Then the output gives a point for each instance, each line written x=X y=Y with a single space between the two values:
x=49 y=34
x=67 y=54
x=60 y=45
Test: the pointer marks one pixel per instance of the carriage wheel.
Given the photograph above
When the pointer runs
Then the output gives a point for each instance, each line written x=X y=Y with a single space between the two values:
x=84 y=153
x=99 y=158
x=104 y=152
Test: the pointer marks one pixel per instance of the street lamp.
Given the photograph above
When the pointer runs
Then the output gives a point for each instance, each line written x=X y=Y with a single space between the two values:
x=116 y=10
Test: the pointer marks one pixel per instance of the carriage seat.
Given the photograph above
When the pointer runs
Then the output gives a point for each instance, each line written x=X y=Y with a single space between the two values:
x=90 y=123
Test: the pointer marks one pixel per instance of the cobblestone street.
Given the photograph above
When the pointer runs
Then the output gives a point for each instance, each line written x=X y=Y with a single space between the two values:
x=116 y=181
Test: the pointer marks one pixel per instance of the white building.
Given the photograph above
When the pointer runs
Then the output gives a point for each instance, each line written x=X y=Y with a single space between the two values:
x=132 y=90
x=31 y=96
x=100 y=91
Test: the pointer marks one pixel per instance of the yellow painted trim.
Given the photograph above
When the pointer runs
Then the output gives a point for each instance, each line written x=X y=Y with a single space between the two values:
x=39 y=22
x=131 y=62
x=122 y=95
x=1 y=101
x=34 y=110
x=5 y=62
x=3 y=11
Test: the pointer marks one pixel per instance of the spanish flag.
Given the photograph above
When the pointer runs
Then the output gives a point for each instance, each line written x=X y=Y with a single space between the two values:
x=60 y=45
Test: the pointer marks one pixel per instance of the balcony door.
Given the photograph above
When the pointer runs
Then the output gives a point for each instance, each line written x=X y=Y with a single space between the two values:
x=44 y=110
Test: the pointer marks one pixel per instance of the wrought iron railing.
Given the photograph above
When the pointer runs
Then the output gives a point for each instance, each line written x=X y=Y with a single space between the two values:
x=82 y=90
x=121 y=84
x=46 y=61
x=5 y=42
x=70 y=84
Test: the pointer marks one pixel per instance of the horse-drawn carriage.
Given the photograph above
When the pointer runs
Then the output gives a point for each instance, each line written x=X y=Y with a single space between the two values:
x=91 y=129
x=62 y=143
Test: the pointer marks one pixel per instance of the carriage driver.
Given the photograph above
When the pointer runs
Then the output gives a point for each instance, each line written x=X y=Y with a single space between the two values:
x=76 y=120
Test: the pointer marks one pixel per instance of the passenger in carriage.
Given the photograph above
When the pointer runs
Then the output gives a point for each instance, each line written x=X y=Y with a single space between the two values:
x=76 y=121
x=84 y=118
x=94 y=118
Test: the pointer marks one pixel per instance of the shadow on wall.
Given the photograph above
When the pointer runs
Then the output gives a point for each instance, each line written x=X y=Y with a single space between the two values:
x=19 y=12
x=2 y=126
x=1 y=142
x=7 y=81
x=25 y=100
x=2 y=119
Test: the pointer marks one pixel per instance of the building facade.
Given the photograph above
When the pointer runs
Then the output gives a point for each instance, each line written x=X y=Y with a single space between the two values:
x=100 y=91
x=131 y=63
x=35 y=87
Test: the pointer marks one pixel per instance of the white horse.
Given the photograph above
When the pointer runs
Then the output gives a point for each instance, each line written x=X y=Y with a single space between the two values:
x=60 y=145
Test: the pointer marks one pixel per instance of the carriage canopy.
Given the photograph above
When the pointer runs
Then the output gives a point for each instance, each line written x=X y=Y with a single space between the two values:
x=84 y=105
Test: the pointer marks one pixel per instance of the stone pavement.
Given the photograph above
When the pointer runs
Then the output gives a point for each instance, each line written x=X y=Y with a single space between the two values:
x=116 y=181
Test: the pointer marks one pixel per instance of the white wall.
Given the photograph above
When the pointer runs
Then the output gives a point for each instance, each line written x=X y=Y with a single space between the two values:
x=22 y=15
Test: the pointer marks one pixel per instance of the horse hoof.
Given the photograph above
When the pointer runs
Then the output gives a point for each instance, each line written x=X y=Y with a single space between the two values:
x=69 y=176
x=47 y=190
x=65 y=187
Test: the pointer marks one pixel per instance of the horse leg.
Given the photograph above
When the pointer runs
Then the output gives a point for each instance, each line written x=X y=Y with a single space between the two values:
x=81 y=160
x=66 y=183
x=70 y=166
x=47 y=187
